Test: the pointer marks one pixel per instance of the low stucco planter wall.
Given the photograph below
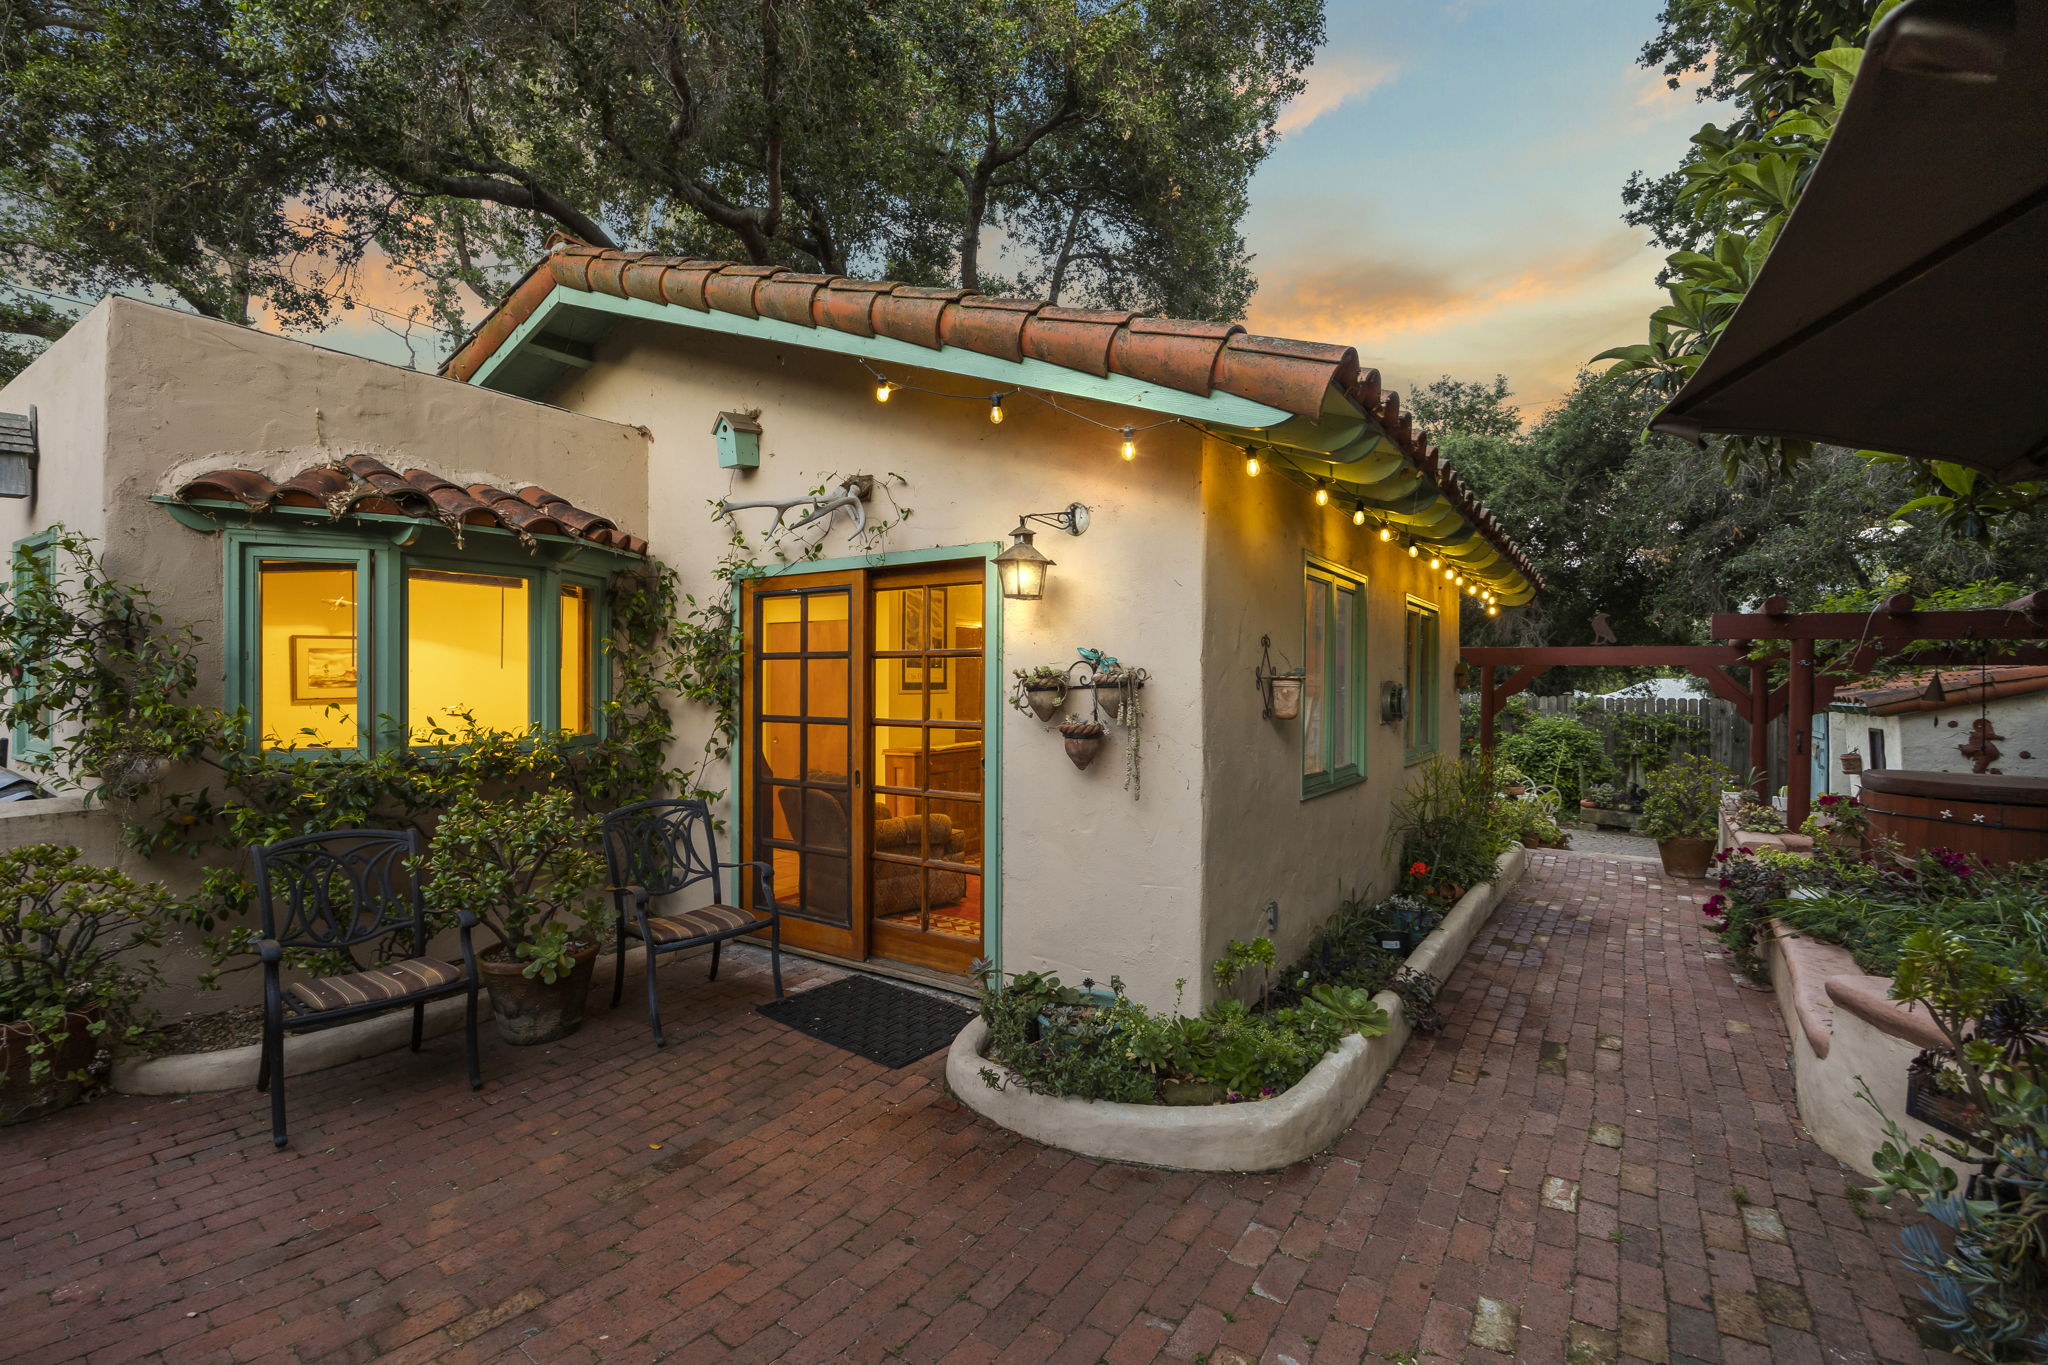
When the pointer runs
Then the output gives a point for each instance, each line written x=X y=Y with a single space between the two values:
x=1262 y=1135
x=234 y=1068
x=1775 y=841
x=1847 y=1032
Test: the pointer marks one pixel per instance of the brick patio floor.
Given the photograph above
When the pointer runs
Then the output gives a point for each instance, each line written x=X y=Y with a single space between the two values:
x=1597 y=1160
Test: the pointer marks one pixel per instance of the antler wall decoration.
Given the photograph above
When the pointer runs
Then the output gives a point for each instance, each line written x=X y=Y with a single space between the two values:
x=852 y=496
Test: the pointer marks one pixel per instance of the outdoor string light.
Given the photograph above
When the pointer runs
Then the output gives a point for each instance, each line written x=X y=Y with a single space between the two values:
x=1127 y=447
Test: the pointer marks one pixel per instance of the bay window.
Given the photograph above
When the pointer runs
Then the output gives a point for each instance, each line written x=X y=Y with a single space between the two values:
x=342 y=644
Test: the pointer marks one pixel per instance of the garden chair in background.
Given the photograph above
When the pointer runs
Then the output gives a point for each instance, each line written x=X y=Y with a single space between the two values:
x=331 y=893
x=651 y=849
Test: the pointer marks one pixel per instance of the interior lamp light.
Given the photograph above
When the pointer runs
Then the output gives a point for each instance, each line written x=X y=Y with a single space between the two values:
x=1130 y=447
x=1020 y=569
x=995 y=409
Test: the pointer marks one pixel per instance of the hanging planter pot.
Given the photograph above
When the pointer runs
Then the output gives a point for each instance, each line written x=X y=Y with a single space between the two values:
x=1084 y=741
x=1045 y=702
x=1852 y=763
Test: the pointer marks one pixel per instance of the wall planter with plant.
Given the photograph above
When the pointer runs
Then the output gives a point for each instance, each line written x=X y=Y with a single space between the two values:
x=1039 y=691
x=528 y=868
x=71 y=983
x=1083 y=740
x=1682 y=813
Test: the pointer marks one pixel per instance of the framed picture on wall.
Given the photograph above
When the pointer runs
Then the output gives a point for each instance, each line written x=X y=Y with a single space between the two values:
x=323 y=669
x=924 y=629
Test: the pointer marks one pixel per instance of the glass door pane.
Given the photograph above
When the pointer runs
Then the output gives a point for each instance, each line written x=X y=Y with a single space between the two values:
x=926 y=737
x=804 y=781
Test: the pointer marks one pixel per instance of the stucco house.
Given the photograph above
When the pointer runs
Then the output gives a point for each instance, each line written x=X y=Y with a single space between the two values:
x=1992 y=719
x=1247 y=506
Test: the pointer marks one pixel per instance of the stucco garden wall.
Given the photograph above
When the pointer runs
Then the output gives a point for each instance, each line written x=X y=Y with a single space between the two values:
x=1925 y=741
x=1092 y=882
x=135 y=398
x=1304 y=854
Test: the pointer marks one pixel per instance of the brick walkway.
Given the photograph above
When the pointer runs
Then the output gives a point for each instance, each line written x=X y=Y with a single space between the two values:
x=1596 y=1161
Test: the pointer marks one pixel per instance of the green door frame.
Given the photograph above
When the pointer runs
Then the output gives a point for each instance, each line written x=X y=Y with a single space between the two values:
x=992 y=702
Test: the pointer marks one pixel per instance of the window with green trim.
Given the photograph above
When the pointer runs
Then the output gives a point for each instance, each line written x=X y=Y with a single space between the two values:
x=344 y=644
x=1333 y=718
x=1422 y=645
x=32 y=556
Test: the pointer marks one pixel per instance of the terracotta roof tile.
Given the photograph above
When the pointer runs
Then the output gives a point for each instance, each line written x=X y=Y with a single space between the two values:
x=362 y=483
x=1193 y=357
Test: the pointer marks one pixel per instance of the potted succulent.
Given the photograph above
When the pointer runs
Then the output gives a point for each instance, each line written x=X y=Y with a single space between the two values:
x=1040 y=691
x=1682 y=813
x=70 y=986
x=1084 y=740
x=528 y=868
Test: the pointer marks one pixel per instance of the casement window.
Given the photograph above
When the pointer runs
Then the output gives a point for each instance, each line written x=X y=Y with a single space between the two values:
x=1333 y=719
x=344 y=645
x=34 y=555
x=1423 y=649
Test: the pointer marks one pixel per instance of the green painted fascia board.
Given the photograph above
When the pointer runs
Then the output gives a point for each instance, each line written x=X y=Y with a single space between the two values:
x=1122 y=390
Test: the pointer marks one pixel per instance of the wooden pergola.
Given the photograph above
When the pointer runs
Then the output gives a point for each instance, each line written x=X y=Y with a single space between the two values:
x=1763 y=639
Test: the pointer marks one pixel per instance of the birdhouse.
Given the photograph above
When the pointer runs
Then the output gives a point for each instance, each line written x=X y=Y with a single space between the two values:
x=18 y=454
x=739 y=441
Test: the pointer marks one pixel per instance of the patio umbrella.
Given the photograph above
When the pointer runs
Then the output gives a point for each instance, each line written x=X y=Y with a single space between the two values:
x=1902 y=307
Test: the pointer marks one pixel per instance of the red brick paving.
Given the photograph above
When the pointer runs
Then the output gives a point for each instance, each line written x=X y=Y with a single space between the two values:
x=749 y=1194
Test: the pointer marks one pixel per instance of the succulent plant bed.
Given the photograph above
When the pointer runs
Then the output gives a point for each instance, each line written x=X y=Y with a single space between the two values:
x=1251 y=1129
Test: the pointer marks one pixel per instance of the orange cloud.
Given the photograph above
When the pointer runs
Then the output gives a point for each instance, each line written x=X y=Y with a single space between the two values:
x=1334 y=81
x=1374 y=299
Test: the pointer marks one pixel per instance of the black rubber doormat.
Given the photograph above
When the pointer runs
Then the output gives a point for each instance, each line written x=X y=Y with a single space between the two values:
x=885 y=1024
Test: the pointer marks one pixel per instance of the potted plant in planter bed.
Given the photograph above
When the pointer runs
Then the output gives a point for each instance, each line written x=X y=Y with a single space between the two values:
x=70 y=987
x=1682 y=813
x=528 y=868
x=1039 y=691
x=1838 y=822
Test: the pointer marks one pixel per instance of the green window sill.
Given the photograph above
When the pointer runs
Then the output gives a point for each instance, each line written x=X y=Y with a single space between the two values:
x=1312 y=787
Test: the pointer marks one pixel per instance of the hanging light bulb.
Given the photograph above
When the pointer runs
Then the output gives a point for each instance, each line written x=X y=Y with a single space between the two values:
x=883 y=389
x=1458 y=579
x=1130 y=447
x=1450 y=572
x=1435 y=563
x=1322 y=497
x=1251 y=465
x=1413 y=552
x=995 y=409
x=1493 y=611
x=1358 y=517
x=1386 y=532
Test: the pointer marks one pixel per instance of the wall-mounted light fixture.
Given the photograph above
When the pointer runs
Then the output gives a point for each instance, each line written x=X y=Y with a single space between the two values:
x=20 y=454
x=1021 y=568
x=1279 y=692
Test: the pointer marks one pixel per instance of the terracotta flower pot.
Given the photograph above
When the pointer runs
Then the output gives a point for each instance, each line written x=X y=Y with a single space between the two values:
x=1686 y=857
x=1084 y=741
x=1045 y=701
x=529 y=1010
x=77 y=1051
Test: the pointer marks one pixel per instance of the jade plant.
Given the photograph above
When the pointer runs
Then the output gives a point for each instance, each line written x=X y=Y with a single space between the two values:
x=528 y=868
x=70 y=938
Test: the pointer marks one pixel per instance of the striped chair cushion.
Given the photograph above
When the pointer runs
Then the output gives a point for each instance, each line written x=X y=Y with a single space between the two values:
x=712 y=919
x=393 y=981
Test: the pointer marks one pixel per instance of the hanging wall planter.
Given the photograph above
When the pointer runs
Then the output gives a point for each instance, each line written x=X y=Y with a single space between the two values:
x=1039 y=691
x=1084 y=741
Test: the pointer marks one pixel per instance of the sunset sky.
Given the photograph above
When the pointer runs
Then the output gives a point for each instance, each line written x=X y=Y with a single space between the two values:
x=1446 y=195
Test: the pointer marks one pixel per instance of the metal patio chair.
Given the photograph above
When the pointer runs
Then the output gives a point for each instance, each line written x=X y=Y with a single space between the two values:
x=651 y=850
x=333 y=892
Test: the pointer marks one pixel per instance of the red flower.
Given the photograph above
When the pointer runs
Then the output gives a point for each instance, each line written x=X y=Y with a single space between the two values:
x=1417 y=869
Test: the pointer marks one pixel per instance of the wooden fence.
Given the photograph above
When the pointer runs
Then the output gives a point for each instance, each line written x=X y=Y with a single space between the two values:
x=1717 y=730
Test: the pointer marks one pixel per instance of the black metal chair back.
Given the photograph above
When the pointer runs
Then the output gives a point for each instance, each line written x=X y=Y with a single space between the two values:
x=342 y=888
x=663 y=846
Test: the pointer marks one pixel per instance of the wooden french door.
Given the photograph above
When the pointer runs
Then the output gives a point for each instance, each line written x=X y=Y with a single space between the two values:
x=863 y=759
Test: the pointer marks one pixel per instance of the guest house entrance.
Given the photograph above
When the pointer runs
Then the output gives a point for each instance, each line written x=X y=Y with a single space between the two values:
x=863 y=758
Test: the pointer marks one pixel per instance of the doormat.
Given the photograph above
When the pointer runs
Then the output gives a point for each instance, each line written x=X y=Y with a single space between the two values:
x=886 y=1024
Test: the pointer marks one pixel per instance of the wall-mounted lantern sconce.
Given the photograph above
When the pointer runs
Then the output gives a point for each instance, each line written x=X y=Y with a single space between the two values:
x=20 y=453
x=1279 y=693
x=1021 y=568
x=1393 y=703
